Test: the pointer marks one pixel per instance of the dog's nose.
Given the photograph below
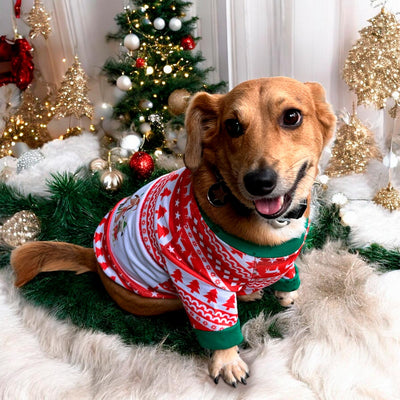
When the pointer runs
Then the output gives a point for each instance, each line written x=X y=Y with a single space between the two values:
x=261 y=182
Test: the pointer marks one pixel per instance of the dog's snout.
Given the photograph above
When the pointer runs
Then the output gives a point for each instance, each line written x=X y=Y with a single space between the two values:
x=261 y=182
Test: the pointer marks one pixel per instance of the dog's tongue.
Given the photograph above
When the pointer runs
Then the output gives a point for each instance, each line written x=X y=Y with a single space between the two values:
x=269 y=206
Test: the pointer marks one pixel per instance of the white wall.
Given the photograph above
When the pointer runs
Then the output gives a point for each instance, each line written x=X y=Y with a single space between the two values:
x=242 y=39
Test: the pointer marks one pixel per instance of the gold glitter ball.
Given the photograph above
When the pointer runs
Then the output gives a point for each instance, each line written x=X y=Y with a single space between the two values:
x=22 y=227
x=388 y=197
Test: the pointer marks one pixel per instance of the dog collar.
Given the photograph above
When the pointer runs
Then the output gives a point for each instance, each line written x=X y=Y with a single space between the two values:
x=219 y=195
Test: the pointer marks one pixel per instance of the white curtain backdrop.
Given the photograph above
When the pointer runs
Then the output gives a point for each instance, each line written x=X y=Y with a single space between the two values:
x=242 y=39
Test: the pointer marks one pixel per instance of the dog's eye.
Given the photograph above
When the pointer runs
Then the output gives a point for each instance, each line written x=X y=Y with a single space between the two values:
x=291 y=118
x=234 y=128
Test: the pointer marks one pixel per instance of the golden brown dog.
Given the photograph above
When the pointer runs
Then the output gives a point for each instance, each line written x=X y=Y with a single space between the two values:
x=251 y=157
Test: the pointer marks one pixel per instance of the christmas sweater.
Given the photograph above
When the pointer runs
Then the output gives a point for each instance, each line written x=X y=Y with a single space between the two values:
x=158 y=244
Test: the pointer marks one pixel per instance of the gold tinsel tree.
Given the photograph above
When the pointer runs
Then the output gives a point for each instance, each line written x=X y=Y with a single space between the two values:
x=72 y=99
x=354 y=147
x=38 y=20
x=28 y=124
x=373 y=63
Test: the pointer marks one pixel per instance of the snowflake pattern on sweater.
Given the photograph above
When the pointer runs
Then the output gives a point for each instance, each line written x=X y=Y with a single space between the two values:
x=157 y=244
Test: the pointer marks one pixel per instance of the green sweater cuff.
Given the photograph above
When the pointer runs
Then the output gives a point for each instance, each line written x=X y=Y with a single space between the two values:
x=219 y=340
x=287 y=285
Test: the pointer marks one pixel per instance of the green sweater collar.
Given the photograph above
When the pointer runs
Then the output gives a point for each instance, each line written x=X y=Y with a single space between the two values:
x=252 y=249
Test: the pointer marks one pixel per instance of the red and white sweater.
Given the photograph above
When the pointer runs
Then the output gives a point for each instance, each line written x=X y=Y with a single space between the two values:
x=158 y=244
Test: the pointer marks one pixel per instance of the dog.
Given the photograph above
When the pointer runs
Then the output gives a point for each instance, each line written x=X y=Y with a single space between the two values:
x=227 y=225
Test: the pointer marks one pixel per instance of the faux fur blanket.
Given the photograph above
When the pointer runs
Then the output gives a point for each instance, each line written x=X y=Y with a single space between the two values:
x=340 y=341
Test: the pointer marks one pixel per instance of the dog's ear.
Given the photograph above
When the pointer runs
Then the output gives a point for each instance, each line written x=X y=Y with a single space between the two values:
x=201 y=123
x=325 y=115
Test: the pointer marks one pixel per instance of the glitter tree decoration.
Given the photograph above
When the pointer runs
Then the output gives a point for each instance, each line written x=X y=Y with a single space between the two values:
x=372 y=68
x=39 y=21
x=72 y=99
x=28 y=124
x=388 y=197
x=354 y=147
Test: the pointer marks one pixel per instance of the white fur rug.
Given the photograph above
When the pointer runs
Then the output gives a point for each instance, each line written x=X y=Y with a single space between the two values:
x=341 y=341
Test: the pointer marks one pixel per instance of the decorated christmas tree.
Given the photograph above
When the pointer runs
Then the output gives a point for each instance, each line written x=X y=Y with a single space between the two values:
x=158 y=69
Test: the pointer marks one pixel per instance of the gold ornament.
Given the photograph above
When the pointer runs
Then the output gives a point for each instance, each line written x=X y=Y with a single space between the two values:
x=38 y=19
x=388 y=197
x=72 y=97
x=28 y=124
x=178 y=101
x=112 y=179
x=98 y=164
x=372 y=65
x=354 y=147
x=22 y=227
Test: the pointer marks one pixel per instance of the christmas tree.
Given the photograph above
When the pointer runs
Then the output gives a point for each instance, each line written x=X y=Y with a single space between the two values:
x=158 y=68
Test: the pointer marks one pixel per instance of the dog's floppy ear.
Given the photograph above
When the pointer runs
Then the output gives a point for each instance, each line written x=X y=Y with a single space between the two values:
x=325 y=115
x=201 y=123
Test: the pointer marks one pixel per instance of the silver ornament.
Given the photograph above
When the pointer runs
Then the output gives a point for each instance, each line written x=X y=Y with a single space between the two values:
x=29 y=159
x=98 y=164
x=112 y=179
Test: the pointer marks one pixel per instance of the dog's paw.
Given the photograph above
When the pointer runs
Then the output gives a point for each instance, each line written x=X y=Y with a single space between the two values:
x=251 y=297
x=286 y=299
x=228 y=365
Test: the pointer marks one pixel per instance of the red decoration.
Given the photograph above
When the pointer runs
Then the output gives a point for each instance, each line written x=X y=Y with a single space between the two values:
x=212 y=296
x=17 y=8
x=142 y=164
x=16 y=65
x=194 y=286
x=140 y=62
x=188 y=43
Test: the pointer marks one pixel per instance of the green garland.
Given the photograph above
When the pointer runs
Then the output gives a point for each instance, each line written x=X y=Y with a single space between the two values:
x=76 y=205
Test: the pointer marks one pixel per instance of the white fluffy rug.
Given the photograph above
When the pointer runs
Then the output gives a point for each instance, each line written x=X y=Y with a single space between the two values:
x=341 y=341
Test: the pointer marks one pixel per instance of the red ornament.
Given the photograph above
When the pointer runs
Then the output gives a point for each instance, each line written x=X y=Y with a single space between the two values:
x=188 y=43
x=16 y=65
x=142 y=164
x=140 y=62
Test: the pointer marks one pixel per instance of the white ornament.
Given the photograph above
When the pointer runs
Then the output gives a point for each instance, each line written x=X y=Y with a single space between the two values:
x=395 y=95
x=132 y=142
x=149 y=70
x=132 y=41
x=167 y=69
x=175 y=24
x=124 y=83
x=391 y=160
x=159 y=24
x=145 y=127
x=323 y=179
x=340 y=199
x=103 y=110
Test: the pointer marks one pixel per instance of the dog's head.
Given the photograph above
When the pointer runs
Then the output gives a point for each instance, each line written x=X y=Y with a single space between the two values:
x=265 y=138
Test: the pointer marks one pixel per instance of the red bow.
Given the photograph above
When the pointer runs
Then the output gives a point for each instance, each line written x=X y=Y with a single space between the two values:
x=18 y=55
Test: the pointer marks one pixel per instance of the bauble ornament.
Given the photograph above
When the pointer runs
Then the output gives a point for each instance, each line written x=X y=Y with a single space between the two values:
x=140 y=62
x=159 y=24
x=188 y=43
x=124 y=83
x=132 y=42
x=142 y=164
x=98 y=164
x=112 y=179
x=175 y=24
x=132 y=142
x=178 y=101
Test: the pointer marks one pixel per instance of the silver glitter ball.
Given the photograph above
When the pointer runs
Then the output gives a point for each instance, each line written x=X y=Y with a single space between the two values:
x=29 y=159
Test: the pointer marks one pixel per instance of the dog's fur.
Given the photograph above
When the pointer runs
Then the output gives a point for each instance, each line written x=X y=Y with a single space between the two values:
x=266 y=144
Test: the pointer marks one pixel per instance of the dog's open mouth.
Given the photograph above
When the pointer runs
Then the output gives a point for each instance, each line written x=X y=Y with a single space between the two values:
x=274 y=207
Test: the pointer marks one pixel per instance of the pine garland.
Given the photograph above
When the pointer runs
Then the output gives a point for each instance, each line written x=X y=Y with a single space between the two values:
x=72 y=213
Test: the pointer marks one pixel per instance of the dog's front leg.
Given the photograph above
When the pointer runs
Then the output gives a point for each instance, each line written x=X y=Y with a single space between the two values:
x=228 y=365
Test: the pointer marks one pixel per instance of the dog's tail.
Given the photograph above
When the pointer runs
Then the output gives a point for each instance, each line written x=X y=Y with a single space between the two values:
x=32 y=258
